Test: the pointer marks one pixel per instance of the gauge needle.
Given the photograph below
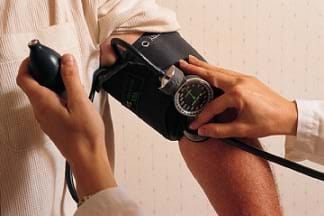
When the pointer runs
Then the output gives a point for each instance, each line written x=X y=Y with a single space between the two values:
x=192 y=96
x=196 y=99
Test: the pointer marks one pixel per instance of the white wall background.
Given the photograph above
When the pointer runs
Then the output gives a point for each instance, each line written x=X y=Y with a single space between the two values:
x=282 y=43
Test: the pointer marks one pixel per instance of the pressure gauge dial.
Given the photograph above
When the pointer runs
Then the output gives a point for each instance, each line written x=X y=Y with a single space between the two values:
x=192 y=96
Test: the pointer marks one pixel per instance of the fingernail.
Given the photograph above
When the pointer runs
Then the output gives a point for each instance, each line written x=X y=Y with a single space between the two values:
x=193 y=126
x=191 y=57
x=183 y=62
x=68 y=60
x=202 y=132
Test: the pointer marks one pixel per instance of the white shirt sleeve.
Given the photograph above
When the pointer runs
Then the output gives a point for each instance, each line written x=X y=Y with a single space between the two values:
x=309 y=142
x=112 y=201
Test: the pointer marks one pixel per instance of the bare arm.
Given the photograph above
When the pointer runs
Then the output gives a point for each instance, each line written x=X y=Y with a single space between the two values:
x=236 y=182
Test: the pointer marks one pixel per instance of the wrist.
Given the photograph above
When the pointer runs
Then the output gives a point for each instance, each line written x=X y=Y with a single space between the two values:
x=85 y=150
x=92 y=173
x=292 y=119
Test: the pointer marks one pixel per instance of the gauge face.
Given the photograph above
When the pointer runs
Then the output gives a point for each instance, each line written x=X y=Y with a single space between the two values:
x=193 y=96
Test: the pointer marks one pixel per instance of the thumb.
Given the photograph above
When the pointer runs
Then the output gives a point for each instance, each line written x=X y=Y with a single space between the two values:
x=223 y=130
x=71 y=79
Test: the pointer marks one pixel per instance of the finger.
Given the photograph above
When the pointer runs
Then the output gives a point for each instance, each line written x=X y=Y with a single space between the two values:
x=24 y=80
x=29 y=85
x=71 y=79
x=223 y=130
x=214 y=108
x=41 y=98
x=107 y=54
x=216 y=79
x=197 y=62
x=193 y=69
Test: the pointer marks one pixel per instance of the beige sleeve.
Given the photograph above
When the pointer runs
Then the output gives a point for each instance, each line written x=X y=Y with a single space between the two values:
x=120 y=16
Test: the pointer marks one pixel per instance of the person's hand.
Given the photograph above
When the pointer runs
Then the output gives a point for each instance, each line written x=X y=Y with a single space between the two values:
x=261 y=111
x=107 y=54
x=73 y=124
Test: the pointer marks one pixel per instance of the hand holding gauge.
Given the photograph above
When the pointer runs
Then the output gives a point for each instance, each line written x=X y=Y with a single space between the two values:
x=191 y=95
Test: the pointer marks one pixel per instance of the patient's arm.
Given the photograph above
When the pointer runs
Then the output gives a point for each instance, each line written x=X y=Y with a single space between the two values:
x=236 y=182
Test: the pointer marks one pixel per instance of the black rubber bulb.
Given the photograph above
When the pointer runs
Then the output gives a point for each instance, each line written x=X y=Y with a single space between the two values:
x=44 y=66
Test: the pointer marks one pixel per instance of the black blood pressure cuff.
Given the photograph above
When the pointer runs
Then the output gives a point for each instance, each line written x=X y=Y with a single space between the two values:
x=136 y=86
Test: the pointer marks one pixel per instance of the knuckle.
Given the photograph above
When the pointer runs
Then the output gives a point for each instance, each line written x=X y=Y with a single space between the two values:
x=202 y=118
x=69 y=66
x=250 y=77
x=208 y=73
x=222 y=70
x=213 y=131
x=236 y=92
x=211 y=76
x=41 y=106
x=41 y=110
x=78 y=102
x=241 y=79
x=18 y=81
x=68 y=72
x=237 y=98
x=243 y=130
x=204 y=71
